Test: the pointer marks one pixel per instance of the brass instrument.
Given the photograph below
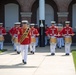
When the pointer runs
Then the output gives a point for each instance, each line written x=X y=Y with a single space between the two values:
x=24 y=35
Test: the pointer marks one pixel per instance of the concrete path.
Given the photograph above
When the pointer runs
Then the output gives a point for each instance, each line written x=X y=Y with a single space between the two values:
x=42 y=63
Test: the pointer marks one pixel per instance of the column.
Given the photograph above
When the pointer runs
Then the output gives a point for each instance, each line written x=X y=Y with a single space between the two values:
x=62 y=16
x=26 y=16
x=42 y=23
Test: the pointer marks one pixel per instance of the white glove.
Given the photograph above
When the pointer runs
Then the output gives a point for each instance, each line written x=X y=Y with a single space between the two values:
x=15 y=35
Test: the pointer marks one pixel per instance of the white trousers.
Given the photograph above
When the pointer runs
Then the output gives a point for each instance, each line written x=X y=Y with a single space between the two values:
x=67 y=47
x=59 y=42
x=33 y=47
x=52 y=48
x=37 y=41
x=62 y=41
x=18 y=47
x=1 y=45
x=46 y=40
x=14 y=45
x=24 y=49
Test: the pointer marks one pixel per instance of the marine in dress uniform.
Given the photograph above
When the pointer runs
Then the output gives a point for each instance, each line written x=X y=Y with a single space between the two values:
x=11 y=32
x=37 y=37
x=52 y=32
x=46 y=38
x=34 y=34
x=67 y=32
x=16 y=35
x=2 y=32
x=25 y=40
x=60 y=40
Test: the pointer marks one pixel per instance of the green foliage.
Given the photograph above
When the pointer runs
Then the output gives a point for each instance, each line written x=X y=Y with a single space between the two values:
x=74 y=57
x=3 y=50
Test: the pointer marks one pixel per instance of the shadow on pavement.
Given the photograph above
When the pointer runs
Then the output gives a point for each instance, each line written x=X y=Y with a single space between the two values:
x=20 y=65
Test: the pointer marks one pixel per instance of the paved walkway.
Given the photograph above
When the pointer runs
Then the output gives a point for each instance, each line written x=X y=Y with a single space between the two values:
x=42 y=63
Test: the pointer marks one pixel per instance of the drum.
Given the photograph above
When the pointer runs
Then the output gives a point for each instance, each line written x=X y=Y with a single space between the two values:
x=15 y=39
x=33 y=40
x=1 y=38
x=68 y=39
x=53 y=40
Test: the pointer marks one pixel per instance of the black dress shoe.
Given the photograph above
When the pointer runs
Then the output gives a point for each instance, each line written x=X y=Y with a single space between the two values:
x=67 y=54
x=18 y=52
x=24 y=62
x=31 y=52
x=52 y=53
x=59 y=47
x=15 y=50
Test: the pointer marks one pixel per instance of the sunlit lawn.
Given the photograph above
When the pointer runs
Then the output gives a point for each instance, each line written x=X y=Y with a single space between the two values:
x=74 y=57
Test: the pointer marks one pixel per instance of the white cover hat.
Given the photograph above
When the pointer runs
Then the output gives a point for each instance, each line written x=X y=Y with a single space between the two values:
x=17 y=23
x=1 y=23
x=32 y=24
x=52 y=22
x=67 y=21
x=25 y=21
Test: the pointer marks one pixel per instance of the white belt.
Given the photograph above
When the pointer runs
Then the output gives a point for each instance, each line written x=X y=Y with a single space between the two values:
x=1 y=35
x=53 y=37
x=33 y=37
x=67 y=36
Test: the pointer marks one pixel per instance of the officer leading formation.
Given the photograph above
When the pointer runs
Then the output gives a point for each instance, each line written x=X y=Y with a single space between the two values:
x=25 y=36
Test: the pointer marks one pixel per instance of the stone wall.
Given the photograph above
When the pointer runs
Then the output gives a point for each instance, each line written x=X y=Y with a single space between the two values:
x=61 y=4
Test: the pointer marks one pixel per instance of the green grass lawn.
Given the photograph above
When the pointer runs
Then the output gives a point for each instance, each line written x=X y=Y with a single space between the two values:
x=3 y=50
x=74 y=57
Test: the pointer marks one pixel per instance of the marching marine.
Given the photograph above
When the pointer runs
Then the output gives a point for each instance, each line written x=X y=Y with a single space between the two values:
x=37 y=37
x=2 y=32
x=46 y=38
x=34 y=34
x=16 y=36
x=52 y=32
x=25 y=40
x=60 y=40
x=11 y=33
x=67 y=32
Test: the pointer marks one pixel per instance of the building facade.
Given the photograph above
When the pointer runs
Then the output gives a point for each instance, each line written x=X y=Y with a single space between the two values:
x=12 y=11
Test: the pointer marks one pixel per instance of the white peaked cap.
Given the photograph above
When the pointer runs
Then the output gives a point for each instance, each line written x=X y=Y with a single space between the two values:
x=32 y=24
x=1 y=23
x=52 y=22
x=17 y=23
x=67 y=21
x=24 y=21
x=59 y=24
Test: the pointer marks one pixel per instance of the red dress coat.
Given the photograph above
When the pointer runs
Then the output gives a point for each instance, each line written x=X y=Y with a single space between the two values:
x=52 y=30
x=27 y=40
x=34 y=32
x=2 y=31
x=66 y=31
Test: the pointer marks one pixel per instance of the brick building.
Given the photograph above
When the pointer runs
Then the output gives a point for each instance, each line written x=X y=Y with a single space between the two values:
x=17 y=10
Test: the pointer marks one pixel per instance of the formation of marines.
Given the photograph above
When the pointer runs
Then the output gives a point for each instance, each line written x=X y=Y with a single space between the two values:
x=26 y=36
